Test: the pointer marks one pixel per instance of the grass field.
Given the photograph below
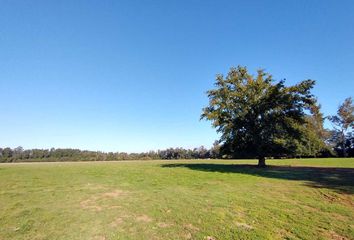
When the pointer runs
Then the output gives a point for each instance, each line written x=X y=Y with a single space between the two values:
x=195 y=199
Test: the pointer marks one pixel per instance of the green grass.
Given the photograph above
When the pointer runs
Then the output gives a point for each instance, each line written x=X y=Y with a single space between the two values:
x=194 y=199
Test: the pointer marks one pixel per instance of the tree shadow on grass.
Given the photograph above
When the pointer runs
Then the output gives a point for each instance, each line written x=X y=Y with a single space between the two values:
x=338 y=179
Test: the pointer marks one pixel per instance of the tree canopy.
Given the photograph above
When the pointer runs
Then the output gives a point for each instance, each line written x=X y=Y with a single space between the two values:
x=259 y=117
x=343 y=124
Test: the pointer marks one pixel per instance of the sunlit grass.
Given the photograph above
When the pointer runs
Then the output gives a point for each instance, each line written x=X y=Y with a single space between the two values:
x=190 y=199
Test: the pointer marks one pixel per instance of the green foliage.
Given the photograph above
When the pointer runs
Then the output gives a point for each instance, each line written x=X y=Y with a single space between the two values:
x=314 y=135
x=343 y=124
x=20 y=155
x=258 y=117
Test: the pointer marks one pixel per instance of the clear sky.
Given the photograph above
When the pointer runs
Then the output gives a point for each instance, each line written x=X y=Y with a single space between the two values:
x=131 y=75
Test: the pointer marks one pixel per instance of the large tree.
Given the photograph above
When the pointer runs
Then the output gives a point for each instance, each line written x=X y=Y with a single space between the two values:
x=343 y=124
x=257 y=116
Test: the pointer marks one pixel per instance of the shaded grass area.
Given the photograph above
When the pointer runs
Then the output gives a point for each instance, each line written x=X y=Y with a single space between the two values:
x=340 y=179
x=194 y=199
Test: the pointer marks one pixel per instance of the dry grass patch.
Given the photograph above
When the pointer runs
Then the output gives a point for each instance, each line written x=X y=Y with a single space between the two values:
x=164 y=225
x=191 y=227
x=118 y=221
x=210 y=238
x=99 y=238
x=244 y=226
x=334 y=236
x=114 y=194
x=90 y=186
x=144 y=218
x=90 y=204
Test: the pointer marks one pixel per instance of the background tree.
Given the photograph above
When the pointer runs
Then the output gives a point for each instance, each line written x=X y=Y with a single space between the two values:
x=343 y=124
x=313 y=142
x=256 y=116
x=215 y=150
x=7 y=154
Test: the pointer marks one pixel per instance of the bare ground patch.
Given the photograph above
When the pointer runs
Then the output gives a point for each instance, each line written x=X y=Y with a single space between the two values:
x=191 y=227
x=188 y=235
x=244 y=226
x=143 y=218
x=285 y=234
x=164 y=225
x=91 y=186
x=333 y=235
x=343 y=198
x=190 y=230
x=118 y=221
x=92 y=203
x=210 y=238
x=99 y=238
x=114 y=194
x=347 y=199
x=115 y=207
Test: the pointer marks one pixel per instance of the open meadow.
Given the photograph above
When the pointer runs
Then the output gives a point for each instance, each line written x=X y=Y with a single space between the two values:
x=189 y=199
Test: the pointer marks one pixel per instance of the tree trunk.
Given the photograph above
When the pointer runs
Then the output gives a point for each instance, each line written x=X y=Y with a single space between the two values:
x=261 y=162
x=343 y=144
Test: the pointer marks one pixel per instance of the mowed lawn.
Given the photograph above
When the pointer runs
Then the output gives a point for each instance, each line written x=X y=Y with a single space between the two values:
x=189 y=199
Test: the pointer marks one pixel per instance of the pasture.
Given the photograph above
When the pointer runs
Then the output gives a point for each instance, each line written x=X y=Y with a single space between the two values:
x=189 y=199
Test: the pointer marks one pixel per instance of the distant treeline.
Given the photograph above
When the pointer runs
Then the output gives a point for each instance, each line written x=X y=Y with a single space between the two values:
x=20 y=155
x=53 y=155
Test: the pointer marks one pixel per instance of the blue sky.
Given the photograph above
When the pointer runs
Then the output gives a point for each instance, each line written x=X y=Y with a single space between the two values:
x=132 y=75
